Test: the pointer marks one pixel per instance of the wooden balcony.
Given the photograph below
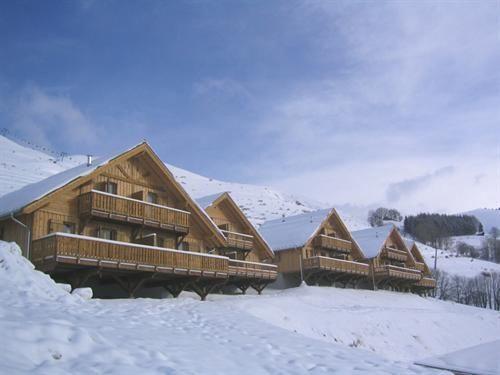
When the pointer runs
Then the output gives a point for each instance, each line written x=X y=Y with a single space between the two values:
x=73 y=250
x=395 y=254
x=336 y=265
x=333 y=243
x=252 y=270
x=238 y=241
x=114 y=207
x=388 y=271
x=427 y=283
x=420 y=266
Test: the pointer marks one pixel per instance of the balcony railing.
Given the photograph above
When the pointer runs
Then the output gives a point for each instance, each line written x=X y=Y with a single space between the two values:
x=420 y=266
x=115 y=207
x=388 y=271
x=333 y=243
x=238 y=241
x=89 y=251
x=336 y=265
x=426 y=282
x=240 y=268
x=395 y=254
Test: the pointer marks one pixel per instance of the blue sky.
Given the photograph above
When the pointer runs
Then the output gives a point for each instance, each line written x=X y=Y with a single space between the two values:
x=391 y=103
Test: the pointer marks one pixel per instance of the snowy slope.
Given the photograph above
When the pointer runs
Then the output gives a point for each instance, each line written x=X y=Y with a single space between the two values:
x=259 y=203
x=462 y=266
x=52 y=333
x=487 y=216
x=20 y=165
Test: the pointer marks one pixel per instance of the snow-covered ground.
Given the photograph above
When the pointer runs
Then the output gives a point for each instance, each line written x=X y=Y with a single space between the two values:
x=49 y=331
x=447 y=261
x=21 y=165
x=306 y=329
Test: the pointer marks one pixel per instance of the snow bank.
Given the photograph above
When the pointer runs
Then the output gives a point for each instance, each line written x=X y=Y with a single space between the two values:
x=399 y=326
x=84 y=293
x=52 y=332
x=21 y=283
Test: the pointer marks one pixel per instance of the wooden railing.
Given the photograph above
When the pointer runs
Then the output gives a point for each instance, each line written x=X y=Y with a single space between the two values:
x=70 y=248
x=238 y=240
x=333 y=243
x=395 y=254
x=132 y=210
x=427 y=282
x=395 y=272
x=420 y=266
x=336 y=265
x=252 y=269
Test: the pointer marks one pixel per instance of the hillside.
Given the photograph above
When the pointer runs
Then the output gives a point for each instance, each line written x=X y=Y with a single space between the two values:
x=21 y=165
x=489 y=217
x=353 y=331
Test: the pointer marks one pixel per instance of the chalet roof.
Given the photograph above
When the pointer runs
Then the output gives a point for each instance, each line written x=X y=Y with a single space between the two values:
x=370 y=240
x=292 y=231
x=18 y=199
x=409 y=243
x=206 y=201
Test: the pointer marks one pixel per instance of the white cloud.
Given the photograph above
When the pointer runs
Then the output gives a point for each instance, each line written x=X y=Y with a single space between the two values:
x=51 y=119
x=415 y=91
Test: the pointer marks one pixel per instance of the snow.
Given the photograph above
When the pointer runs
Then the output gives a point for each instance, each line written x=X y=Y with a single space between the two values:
x=85 y=293
x=21 y=165
x=481 y=359
x=206 y=201
x=460 y=266
x=292 y=231
x=52 y=332
x=370 y=240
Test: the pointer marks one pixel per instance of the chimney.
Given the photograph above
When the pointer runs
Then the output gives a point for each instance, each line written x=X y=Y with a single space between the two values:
x=89 y=160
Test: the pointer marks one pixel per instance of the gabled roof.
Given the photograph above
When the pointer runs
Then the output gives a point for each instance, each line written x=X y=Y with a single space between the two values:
x=18 y=199
x=293 y=231
x=213 y=199
x=371 y=240
x=32 y=196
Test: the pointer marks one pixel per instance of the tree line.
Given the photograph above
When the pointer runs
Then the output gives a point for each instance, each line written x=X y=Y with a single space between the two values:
x=433 y=228
x=480 y=291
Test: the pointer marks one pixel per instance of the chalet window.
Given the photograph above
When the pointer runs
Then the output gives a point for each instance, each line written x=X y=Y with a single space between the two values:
x=68 y=227
x=224 y=227
x=111 y=188
x=108 y=234
x=160 y=242
x=184 y=246
x=152 y=197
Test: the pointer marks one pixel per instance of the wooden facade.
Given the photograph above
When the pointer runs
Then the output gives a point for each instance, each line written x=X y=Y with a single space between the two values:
x=127 y=220
x=329 y=255
x=427 y=282
x=250 y=262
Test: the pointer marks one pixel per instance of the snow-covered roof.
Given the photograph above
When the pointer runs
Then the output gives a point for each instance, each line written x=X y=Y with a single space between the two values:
x=409 y=243
x=18 y=199
x=206 y=201
x=292 y=231
x=370 y=240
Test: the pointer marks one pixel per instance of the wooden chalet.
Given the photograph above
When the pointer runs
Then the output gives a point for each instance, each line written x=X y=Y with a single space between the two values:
x=391 y=263
x=315 y=247
x=121 y=219
x=427 y=282
x=250 y=257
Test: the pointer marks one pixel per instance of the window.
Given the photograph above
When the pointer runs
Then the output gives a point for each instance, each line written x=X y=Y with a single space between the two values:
x=107 y=234
x=152 y=197
x=111 y=188
x=184 y=246
x=68 y=227
x=224 y=227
